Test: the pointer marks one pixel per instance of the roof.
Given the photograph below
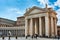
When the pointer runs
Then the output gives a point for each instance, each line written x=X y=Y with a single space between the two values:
x=34 y=7
x=6 y=19
x=43 y=9
x=20 y=17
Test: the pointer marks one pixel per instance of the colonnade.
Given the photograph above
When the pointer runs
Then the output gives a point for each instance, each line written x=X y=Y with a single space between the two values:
x=44 y=27
x=13 y=32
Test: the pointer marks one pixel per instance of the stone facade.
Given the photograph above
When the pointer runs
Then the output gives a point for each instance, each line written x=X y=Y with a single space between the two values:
x=35 y=22
x=20 y=21
x=9 y=26
x=6 y=22
x=40 y=22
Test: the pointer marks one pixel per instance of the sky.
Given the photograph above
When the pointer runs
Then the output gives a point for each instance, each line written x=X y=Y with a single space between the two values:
x=11 y=9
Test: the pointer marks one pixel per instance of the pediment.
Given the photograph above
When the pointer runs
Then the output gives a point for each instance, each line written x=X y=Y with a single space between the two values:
x=34 y=10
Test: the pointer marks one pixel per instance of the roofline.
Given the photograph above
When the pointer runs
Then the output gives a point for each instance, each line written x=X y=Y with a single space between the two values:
x=21 y=17
x=7 y=19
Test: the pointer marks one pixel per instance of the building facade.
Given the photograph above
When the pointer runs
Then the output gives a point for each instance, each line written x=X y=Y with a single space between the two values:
x=40 y=22
x=20 y=21
x=35 y=22
x=9 y=26
x=6 y=22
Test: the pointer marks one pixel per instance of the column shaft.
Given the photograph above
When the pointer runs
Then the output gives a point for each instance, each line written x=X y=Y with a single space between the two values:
x=46 y=26
x=31 y=26
x=36 y=32
x=26 y=27
x=40 y=27
x=52 y=27
x=55 y=28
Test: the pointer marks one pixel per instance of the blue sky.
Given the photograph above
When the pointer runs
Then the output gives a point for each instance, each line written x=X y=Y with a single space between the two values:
x=11 y=9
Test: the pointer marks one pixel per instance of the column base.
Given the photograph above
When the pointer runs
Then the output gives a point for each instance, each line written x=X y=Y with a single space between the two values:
x=36 y=35
x=31 y=36
x=47 y=36
x=52 y=36
x=56 y=36
x=40 y=35
x=26 y=37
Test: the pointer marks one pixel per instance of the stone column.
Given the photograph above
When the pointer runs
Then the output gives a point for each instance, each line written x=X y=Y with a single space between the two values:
x=31 y=27
x=55 y=28
x=40 y=27
x=52 y=27
x=26 y=27
x=36 y=27
x=46 y=26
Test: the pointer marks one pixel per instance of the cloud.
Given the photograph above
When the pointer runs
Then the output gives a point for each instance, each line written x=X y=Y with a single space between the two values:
x=57 y=3
x=11 y=13
x=13 y=10
x=44 y=2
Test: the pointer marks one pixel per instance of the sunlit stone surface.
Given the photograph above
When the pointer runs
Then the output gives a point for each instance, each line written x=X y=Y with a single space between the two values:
x=23 y=38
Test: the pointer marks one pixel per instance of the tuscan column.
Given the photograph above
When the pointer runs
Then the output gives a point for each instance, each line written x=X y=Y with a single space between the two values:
x=40 y=27
x=46 y=26
x=55 y=27
x=36 y=27
x=26 y=27
x=52 y=27
x=31 y=27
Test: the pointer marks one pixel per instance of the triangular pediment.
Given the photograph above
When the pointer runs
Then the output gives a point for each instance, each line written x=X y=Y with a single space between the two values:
x=34 y=10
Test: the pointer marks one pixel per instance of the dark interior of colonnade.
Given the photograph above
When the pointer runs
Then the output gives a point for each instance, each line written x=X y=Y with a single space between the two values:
x=37 y=21
x=33 y=25
x=38 y=25
x=28 y=26
x=54 y=25
x=43 y=25
x=49 y=26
